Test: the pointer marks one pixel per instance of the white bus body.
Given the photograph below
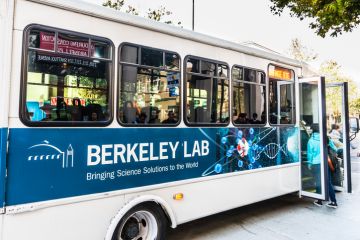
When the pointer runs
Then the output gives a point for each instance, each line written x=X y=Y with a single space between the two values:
x=95 y=215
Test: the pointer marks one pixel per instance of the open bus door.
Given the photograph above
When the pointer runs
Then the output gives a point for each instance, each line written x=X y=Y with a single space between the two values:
x=338 y=114
x=313 y=142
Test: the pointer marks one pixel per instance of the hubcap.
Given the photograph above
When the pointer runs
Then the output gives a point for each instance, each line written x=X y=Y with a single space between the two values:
x=131 y=229
x=141 y=225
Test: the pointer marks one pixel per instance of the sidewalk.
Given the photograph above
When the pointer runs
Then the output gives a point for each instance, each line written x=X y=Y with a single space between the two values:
x=283 y=218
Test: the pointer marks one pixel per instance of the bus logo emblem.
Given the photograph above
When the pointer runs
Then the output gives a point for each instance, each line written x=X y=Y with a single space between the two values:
x=53 y=153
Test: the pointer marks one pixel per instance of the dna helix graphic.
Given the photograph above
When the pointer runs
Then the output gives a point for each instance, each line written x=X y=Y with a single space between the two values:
x=271 y=150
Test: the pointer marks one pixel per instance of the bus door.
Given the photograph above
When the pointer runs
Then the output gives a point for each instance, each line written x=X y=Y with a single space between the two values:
x=313 y=144
x=338 y=131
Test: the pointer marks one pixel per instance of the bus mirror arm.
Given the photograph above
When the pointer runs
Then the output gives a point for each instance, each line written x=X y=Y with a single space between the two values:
x=354 y=127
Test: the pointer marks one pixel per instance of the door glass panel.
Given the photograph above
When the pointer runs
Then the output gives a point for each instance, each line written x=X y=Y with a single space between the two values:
x=281 y=102
x=311 y=155
x=334 y=117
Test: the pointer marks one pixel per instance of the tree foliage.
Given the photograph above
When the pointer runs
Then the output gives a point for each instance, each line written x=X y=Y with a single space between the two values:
x=159 y=14
x=355 y=107
x=300 y=52
x=327 y=16
x=117 y=4
x=333 y=74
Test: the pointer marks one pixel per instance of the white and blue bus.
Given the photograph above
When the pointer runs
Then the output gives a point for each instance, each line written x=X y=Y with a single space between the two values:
x=116 y=127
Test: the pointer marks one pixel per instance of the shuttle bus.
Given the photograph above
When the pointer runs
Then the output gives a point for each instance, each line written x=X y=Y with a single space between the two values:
x=117 y=127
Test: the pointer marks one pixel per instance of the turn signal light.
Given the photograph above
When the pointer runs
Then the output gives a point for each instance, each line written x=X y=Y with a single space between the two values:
x=178 y=196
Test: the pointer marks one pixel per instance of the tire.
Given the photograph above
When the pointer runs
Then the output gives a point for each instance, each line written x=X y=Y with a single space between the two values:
x=143 y=222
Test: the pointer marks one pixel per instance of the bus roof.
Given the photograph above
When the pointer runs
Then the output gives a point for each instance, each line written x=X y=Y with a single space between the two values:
x=128 y=19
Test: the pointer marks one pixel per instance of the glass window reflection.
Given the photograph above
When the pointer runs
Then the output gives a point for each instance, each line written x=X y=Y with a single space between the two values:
x=207 y=98
x=150 y=92
x=249 y=102
x=66 y=85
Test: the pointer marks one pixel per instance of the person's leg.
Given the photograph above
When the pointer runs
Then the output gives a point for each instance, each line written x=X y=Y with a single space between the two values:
x=332 y=202
x=317 y=177
x=331 y=189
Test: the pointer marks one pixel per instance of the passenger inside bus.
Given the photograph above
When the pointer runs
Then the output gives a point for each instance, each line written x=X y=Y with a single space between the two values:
x=254 y=119
x=171 y=118
x=129 y=112
x=142 y=118
x=336 y=138
x=76 y=110
x=94 y=112
x=241 y=119
x=154 y=116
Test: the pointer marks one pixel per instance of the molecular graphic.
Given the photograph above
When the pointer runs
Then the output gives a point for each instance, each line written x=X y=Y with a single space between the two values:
x=243 y=148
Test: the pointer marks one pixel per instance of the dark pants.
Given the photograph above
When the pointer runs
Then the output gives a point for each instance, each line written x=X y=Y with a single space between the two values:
x=315 y=170
x=317 y=178
x=331 y=188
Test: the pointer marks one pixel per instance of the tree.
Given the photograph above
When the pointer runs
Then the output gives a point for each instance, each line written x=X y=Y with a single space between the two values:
x=301 y=52
x=332 y=72
x=159 y=14
x=355 y=107
x=327 y=16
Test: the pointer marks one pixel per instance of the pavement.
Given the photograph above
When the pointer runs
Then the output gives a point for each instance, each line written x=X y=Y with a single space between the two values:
x=283 y=218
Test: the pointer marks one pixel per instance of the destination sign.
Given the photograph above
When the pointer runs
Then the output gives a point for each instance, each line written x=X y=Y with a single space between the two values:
x=75 y=47
x=280 y=73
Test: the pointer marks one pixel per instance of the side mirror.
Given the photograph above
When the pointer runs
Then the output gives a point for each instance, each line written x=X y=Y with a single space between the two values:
x=354 y=125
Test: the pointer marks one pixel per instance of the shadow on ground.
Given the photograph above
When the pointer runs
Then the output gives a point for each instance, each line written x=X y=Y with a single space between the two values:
x=287 y=217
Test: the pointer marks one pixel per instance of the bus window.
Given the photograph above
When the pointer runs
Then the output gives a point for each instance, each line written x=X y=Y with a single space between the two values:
x=63 y=85
x=149 y=87
x=207 y=92
x=249 y=102
x=281 y=96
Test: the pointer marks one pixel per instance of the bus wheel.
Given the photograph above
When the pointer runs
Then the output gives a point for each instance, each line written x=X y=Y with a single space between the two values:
x=142 y=222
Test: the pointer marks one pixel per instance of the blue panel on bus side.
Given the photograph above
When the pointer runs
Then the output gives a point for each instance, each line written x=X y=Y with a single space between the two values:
x=53 y=163
x=3 y=139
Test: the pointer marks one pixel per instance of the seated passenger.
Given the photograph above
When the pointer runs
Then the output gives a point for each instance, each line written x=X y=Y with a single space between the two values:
x=76 y=110
x=154 y=116
x=94 y=116
x=285 y=120
x=171 y=118
x=335 y=131
x=129 y=112
x=241 y=119
x=335 y=136
x=142 y=118
x=254 y=119
x=94 y=109
x=263 y=118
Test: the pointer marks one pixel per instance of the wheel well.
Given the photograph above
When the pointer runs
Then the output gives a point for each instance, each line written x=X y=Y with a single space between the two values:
x=151 y=201
x=154 y=206
x=159 y=206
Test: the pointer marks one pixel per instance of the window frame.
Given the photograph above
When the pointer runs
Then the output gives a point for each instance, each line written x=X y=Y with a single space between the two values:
x=187 y=123
x=256 y=84
x=119 y=80
x=294 y=97
x=24 y=78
